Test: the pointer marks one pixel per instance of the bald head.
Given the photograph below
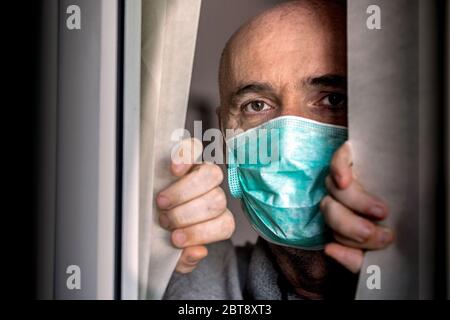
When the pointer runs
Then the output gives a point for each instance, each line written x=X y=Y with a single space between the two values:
x=278 y=52
x=290 y=17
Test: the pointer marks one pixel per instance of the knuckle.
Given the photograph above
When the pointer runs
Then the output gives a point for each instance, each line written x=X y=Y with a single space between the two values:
x=215 y=173
x=369 y=234
x=228 y=224
x=175 y=217
x=325 y=204
x=371 y=241
x=219 y=201
x=198 y=234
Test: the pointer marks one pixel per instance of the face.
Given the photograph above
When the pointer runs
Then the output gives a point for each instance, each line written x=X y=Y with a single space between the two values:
x=286 y=65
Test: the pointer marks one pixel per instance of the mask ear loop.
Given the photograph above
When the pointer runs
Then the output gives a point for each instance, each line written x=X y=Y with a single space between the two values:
x=233 y=182
x=233 y=177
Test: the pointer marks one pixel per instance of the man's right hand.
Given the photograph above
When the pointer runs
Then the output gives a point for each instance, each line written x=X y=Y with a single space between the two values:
x=194 y=208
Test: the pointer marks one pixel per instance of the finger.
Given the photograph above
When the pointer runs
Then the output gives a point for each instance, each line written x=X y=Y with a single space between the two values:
x=381 y=238
x=341 y=166
x=207 y=207
x=185 y=155
x=357 y=199
x=353 y=230
x=190 y=258
x=183 y=269
x=345 y=222
x=350 y=258
x=199 y=181
x=218 y=229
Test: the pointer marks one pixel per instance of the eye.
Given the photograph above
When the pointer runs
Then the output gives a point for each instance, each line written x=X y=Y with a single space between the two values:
x=334 y=100
x=256 y=106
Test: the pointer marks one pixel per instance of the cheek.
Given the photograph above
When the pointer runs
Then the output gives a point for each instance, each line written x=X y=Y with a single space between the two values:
x=229 y=120
x=249 y=122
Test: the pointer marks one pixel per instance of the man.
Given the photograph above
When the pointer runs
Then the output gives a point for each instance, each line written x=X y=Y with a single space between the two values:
x=288 y=61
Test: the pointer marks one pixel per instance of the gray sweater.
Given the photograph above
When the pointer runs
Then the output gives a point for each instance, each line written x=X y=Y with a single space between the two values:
x=232 y=273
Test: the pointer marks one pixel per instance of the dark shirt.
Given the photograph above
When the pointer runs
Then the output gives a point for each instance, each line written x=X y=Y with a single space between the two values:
x=232 y=273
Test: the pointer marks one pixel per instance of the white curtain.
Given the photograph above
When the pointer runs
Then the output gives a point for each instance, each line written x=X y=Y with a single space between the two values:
x=384 y=129
x=169 y=31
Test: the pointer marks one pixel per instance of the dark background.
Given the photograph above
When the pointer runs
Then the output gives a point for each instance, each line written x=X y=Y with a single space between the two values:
x=20 y=43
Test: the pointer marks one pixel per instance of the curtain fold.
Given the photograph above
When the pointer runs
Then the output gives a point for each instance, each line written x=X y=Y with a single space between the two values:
x=168 y=45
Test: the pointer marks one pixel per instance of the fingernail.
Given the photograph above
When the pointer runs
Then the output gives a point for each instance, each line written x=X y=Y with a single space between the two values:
x=179 y=238
x=164 y=221
x=377 y=211
x=162 y=201
x=364 y=233
x=385 y=236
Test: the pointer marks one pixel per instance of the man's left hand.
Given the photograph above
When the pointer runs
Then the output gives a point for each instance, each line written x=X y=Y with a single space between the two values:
x=352 y=213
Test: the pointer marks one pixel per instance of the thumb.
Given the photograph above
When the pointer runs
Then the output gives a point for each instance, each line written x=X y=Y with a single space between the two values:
x=185 y=155
x=341 y=166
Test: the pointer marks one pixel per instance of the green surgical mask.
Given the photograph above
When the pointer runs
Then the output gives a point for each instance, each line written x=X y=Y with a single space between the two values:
x=278 y=171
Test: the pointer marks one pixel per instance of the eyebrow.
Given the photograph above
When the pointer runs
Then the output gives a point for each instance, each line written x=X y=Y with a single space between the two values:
x=328 y=80
x=256 y=87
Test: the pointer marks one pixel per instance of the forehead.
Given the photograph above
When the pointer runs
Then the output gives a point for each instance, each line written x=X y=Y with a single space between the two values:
x=280 y=50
